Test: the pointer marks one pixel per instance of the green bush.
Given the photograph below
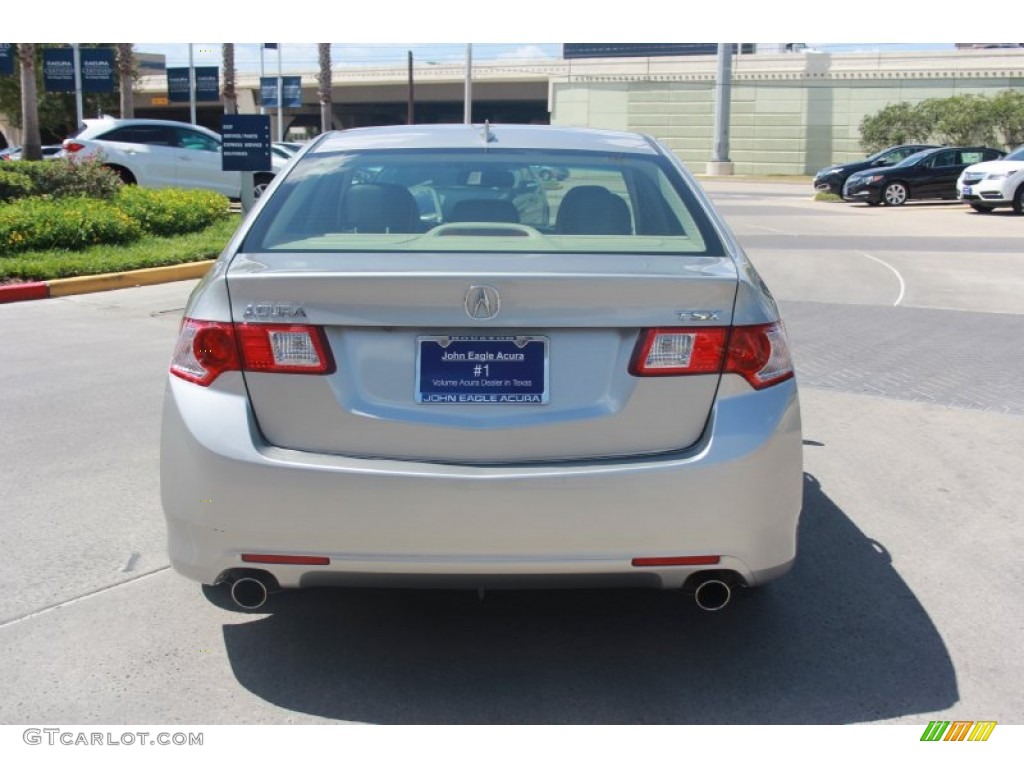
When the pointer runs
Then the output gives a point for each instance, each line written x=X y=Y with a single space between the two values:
x=901 y=123
x=66 y=178
x=1008 y=116
x=172 y=211
x=963 y=119
x=14 y=185
x=35 y=223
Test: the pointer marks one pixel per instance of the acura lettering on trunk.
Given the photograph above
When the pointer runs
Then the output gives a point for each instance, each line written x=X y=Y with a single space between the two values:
x=422 y=362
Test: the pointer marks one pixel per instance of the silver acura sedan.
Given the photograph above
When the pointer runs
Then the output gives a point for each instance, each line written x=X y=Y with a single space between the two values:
x=418 y=363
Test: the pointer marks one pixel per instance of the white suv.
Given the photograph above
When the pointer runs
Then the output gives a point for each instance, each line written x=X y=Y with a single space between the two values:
x=162 y=153
x=995 y=184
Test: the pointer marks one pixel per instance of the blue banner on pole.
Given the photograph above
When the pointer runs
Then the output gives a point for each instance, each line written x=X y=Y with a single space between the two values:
x=177 y=84
x=268 y=91
x=59 y=70
x=97 y=70
x=291 y=87
x=6 y=58
x=292 y=91
x=207 y=84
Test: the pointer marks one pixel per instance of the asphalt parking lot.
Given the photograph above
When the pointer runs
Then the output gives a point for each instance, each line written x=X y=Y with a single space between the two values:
x=904 y=605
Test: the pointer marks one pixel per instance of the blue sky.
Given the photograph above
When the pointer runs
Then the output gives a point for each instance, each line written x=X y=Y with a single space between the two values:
x=303 y=56
x=438 y=26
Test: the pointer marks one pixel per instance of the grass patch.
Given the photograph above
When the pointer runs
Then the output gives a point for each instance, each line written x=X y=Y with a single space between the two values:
x=827 y=197
x=102 y=259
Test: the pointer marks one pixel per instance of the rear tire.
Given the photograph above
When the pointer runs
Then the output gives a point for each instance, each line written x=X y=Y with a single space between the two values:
x=895 y=193
x=1018 y=201
x=126 y=176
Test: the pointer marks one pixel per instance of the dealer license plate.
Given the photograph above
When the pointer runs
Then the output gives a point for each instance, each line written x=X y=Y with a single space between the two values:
x=482 y=369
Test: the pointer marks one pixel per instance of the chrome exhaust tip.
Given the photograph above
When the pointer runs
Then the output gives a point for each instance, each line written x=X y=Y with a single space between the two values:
x=712 y=595
x=249 y=593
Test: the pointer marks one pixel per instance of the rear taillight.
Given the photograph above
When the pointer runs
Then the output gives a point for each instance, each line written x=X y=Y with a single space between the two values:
x=284 y=348
x=72 y=146
x=206 y=349
x=759 y=353
x=678 y=351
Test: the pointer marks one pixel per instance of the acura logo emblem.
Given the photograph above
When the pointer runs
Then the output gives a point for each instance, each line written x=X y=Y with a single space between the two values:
x=482 y=302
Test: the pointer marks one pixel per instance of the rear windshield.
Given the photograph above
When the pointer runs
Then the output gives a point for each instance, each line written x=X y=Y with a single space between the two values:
x=498 y=200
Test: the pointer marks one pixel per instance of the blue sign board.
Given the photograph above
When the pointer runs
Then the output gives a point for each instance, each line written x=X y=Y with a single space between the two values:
x=207 y=84
x=59 y=70
x=6 y=58
x=292 y=87
x=245 y=143
x=268 y=91
x=97 y=70
x=616 y=50
x=177 y=84
x=292 y=91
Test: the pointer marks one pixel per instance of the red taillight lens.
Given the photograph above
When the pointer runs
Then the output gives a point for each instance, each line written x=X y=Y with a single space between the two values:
x=759 y=353
x=206 y=349
x=678 y=351
x=72 y=146
x=284 y=349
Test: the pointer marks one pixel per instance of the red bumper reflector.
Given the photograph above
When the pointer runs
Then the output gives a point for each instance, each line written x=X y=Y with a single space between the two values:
x=286 y=559
x=694 y=560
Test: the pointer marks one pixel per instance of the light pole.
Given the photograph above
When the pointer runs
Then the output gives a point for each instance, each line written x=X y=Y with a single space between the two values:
x=720 y=164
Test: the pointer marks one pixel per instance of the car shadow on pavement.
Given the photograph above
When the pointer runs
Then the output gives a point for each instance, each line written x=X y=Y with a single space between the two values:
x=841 y=639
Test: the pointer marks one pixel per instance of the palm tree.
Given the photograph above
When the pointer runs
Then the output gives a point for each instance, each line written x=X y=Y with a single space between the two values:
x=229 y=92
x=126 y=78
x=324 y=78
x=30 y=142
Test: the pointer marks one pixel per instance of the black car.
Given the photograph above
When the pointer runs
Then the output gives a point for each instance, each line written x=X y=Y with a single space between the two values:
x=929 y=174
x=831 y=179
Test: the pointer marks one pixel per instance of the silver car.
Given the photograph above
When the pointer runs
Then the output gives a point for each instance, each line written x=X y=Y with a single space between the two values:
x=404 y=371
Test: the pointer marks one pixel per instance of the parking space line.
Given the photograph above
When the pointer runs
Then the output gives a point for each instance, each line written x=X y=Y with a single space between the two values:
x=903 y=285
x=71 y=601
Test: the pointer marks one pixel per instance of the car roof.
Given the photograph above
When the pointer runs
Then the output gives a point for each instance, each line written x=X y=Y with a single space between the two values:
x=459 y=136
x=107 y=123
x=957 y=147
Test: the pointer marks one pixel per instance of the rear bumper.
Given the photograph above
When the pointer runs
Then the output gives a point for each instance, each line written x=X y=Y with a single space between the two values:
x=225 y=492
